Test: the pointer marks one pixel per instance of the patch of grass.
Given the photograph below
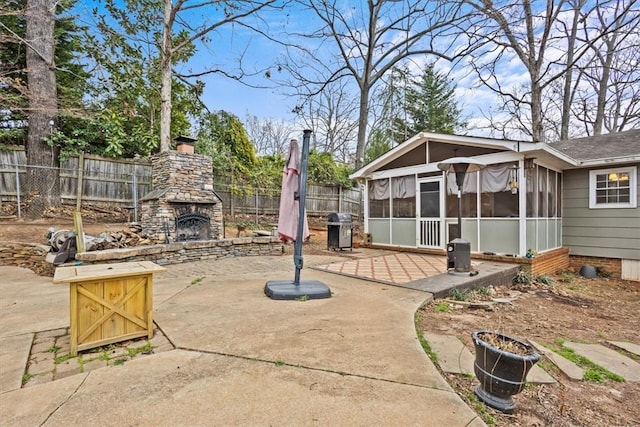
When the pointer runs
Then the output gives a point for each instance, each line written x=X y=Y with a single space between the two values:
x=61 y=359
x=53 y=349
x=544 y=279
x=427 y=347
x=278 y=363
x=547 y=365
x=593 y=372
x=82 y=362
x=197 y=280
x=461 y=295
x=26 y=377
x=303 y=298
x=592 y=376
x=118 y=362
x=480 y=407
x=104 y=356
x=145 y=349
x=443 y=307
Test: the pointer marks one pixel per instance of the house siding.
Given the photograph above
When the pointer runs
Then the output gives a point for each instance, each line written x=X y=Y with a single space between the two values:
x=608 y=233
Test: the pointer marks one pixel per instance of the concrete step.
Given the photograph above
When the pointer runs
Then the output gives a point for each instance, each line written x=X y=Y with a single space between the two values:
x=609 y=359
x=628 y=346
x=484 y=274
x=454 y=357
x=569 y=368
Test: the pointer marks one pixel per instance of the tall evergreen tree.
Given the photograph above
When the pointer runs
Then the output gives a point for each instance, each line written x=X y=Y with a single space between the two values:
x=70 y=76
x=431 y=105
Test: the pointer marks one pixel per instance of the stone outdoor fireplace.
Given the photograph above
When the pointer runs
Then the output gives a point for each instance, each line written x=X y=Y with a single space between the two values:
x=182 y=205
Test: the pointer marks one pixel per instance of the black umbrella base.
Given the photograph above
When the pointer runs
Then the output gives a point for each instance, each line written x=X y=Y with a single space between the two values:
x=288 y=290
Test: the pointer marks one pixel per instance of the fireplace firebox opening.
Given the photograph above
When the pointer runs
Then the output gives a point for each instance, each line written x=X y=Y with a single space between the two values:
x=192 y=226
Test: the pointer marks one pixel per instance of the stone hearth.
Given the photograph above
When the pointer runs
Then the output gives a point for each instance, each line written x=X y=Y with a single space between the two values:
x=182 y=205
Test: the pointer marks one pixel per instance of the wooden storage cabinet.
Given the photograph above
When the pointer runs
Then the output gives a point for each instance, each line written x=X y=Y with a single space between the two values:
x=109 y=302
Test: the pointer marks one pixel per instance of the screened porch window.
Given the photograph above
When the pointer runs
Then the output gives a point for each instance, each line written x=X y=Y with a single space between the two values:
x=379 y=194
x=499 y=186
x=612 y=188
x=544 y=189
x=497 y=200
x=403 y=189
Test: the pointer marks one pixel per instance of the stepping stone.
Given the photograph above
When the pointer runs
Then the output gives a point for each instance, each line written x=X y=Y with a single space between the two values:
x=569 y=368
x=537 y=375
x=455 y=358
x=628 y=346
x=608 y=359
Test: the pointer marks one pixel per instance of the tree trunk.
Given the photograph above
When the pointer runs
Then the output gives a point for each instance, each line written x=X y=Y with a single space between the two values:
x=363 y=117
x=567 y=95
x=537 y=125
x=165 y=70
x=43 y=180
x=603 y=84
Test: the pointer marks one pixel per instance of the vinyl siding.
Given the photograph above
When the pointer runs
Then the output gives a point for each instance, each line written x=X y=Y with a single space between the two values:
x=611 y=233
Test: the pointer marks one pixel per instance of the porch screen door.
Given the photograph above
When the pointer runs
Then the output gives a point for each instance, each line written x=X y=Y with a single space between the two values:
x=430 y=209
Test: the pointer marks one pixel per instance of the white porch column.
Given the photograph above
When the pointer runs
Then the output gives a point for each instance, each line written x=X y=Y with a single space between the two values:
x=522 y=208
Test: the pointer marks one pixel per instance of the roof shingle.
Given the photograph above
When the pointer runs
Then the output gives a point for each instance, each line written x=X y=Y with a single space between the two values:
x=621 y=144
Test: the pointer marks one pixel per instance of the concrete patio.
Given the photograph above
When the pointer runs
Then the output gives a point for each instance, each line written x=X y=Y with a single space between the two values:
x=238 y=357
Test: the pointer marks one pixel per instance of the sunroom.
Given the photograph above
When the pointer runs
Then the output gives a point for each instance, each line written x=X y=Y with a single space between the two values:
x=512 y=206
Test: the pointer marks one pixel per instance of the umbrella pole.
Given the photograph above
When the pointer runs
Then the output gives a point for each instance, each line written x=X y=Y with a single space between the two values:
x=301 y=197
x=308 y=289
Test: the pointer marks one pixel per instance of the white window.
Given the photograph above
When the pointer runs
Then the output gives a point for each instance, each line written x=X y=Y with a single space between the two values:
x=612 y=188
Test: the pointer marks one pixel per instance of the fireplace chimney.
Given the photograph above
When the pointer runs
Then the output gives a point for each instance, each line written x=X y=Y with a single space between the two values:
x=184 y=144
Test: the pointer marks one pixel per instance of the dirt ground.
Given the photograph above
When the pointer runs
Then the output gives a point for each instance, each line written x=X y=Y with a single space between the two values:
x=97 y=220
x=569 y=307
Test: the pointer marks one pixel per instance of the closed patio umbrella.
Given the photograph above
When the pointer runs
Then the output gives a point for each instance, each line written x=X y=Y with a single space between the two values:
x=294 y=188
x=289 y=211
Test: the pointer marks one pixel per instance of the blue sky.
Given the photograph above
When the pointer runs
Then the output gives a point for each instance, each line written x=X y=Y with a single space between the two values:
x=271 y=101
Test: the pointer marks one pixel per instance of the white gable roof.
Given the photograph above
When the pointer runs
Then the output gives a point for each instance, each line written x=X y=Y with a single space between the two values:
x=523 y=148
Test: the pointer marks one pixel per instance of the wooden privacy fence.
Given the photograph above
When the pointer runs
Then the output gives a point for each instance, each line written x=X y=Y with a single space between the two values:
x=97 y=180
x=83 y=179
x=320 y=200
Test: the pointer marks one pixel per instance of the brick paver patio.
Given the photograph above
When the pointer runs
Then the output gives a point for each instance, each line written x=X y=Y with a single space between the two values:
x=398 y=268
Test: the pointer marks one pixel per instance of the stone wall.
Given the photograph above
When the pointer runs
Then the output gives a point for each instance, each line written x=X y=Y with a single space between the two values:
x=179 y=252
x=33 y=256
x=184 y=176
x=27 y=255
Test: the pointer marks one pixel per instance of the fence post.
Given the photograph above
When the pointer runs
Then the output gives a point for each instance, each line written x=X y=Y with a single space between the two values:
x=79 y=181
x=257 y=215
x=15 y=160
x=135 y=193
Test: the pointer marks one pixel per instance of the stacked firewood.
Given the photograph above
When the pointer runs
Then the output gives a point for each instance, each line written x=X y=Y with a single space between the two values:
x=134 y=236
